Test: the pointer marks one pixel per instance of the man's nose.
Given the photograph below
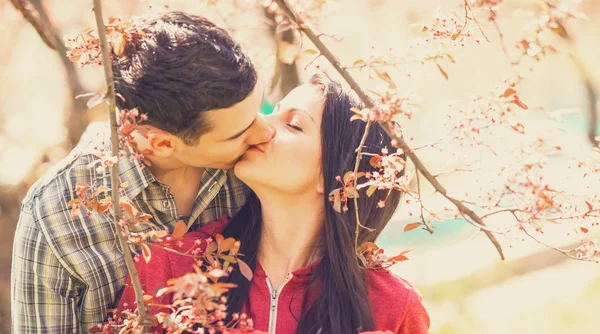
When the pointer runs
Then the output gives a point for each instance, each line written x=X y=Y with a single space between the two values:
x=265 y=131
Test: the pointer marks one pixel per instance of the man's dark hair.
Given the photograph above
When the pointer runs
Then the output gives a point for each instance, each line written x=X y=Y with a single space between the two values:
x=182 y=66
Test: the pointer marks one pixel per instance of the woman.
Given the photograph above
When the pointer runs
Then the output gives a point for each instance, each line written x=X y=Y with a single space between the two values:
x=307 y=277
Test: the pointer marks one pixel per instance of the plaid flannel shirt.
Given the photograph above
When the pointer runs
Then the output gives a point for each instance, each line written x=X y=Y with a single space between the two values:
x=67 y=273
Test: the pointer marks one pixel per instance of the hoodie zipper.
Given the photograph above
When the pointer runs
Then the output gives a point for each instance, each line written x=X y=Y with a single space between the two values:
x=274 y=302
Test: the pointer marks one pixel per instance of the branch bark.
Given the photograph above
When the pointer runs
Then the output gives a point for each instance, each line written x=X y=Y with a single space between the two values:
x=111 y=99
x=401 y=143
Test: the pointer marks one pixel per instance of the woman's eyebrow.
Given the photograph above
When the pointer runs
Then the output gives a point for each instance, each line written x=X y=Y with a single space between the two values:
x=304 y=111
x=292 y=109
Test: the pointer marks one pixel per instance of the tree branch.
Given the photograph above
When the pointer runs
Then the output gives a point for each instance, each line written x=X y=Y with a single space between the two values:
x=401 y=144
x=110 y=97
x=33 y=11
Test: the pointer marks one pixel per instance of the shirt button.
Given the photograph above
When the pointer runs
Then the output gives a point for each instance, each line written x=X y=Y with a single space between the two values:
x=166 y=204
x=212 y=186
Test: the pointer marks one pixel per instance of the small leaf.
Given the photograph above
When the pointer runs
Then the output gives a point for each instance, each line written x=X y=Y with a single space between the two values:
x=508 y=92
x=310 y=52
x=74 y=201
x=589 y=206
x=127 y=206
x=520 y=104
x=399 y=258
x=219 y=239
x=351 y=192
x=102 y=189
x=245 y=270
x=146 y=252
x=450 y=57
x=148 y=299
x=583 y=229
x=217 y=273
x=520 y=128
x=228 y=258
x=347 y=177
x=179 y=230
x=412 y=226
x=355 y=117
x=371 y=190
x=366 y=245
x=74 y=55
x=118 y=44
x=359 y=62
x=211 y=248
x=94 y=101
x=442 y=71
x=227 y=244
x=209 y=258
x=375 y=161
x=337 y=200
x=383 y=75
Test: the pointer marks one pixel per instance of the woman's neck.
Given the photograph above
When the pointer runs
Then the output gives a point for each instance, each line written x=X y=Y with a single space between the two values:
x=290 y=237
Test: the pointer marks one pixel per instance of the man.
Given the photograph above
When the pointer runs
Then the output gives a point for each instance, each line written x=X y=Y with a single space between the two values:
x=201 y=96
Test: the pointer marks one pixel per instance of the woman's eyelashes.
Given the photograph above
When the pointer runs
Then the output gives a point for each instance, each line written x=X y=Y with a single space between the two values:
x=295 y=127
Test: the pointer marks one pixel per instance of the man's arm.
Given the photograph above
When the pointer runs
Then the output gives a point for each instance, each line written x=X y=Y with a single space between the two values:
x=44 y=294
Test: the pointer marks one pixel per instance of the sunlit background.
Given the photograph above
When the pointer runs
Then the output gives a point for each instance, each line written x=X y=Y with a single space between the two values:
x=465 y=286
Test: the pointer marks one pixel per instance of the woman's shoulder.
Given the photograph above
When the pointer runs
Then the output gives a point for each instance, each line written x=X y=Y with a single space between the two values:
x=397 y=305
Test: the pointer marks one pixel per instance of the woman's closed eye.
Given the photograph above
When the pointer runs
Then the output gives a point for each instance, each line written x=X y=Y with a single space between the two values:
x=295 y=127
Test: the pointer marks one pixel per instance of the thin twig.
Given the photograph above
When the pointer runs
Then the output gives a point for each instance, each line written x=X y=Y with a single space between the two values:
x=400 y=143
x=427 y=226
x=110 y=97
x=563 y=251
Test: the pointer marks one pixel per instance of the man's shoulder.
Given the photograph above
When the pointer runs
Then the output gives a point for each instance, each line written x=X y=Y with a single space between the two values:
x=57 y=186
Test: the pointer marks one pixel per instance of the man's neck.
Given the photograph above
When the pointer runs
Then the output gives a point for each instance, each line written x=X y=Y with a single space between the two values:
x=183 y=181
x=290 y=235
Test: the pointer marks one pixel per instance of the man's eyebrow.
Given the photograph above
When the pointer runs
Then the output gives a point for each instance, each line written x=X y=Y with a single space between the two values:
x=241 y=132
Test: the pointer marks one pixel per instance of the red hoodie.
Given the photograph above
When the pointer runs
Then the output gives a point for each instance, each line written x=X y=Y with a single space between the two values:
x=396 y=305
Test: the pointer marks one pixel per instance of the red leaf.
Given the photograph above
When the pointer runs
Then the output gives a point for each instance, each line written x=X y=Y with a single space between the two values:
x=520 y=128
x=74 y=201
x=375 y=161
x=146 y=252
x=583 y=229
x=442 y=71
x=589 y=205
x=399 y=258
x=412 y=226
x=520 y=104
x=245 y=270
x=179 y=231
x=127 y=128
x=508 y=92
x=127 y=206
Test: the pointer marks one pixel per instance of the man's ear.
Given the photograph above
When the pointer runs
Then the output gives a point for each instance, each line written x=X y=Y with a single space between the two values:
x=161 y=143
